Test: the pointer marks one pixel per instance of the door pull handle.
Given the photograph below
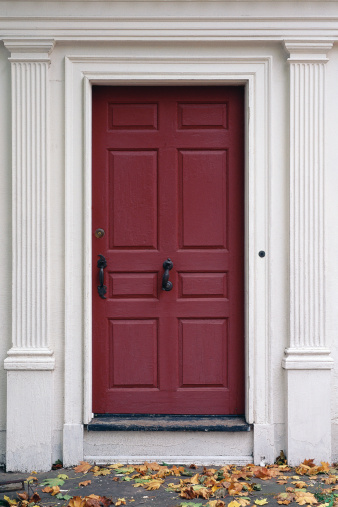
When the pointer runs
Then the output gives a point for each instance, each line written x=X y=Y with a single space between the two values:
x=166 y=285
x=101 y=264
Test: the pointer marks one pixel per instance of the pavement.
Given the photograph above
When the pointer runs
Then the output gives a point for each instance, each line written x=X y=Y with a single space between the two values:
x=159 y=484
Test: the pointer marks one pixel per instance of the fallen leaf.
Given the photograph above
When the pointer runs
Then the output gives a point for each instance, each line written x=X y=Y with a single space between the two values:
x=285 y=498
x=215 y=503
x=262 y=501
x=77 y=501
x=35 y=498
x=263 y=473
x=152 y=485
x=121 y=501
x=303 y=498
x=52 y=482
x=195 y=479
x=308 y=462
x=299 y=484
x=188 y=493
x=103 y=471
x=235 y=488
x=234 y=504
x=325 y=467
x=282 y=482
x=10 y=500
x=85 y=483
x=31 y=478
x=83 y=467
x=23 y=496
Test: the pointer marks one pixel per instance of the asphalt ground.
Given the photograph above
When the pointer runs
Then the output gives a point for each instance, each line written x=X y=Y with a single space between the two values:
x=180 y=485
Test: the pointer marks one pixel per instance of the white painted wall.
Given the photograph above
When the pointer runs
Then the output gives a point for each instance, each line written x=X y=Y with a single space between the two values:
x=277 y=247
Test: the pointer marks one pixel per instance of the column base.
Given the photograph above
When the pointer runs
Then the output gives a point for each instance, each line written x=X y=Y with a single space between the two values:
x=29 y=421
x=264 y=444
x=72 y=444
x=308 y=380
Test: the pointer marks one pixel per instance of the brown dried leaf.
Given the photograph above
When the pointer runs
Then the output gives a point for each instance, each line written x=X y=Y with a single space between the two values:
x=299 y=484
x=35 y=498
x=263 y=473
x=285 y=498
x=83 y=467
x=23 y=496
x=188 y=493
x=77 y=501
x=235 y=488
x=308 y=462
x=85 y=483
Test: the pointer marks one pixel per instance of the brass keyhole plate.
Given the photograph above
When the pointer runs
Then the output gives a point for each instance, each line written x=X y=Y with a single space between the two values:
x=99 y=233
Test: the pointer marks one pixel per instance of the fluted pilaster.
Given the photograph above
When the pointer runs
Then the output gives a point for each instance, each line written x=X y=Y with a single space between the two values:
x=307 y=359
x=307 y=342
x=29 y=66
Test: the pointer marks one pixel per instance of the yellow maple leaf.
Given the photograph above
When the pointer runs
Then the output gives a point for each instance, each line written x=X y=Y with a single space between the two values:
x=11 y=501
x=243 y=502
x=104 y=471
x=299 y=484
x=195 y=479
x=116 y=465
x=262 y=501
x=304 y=497
x=121 y=501
x=234 y=504
x=152 y=485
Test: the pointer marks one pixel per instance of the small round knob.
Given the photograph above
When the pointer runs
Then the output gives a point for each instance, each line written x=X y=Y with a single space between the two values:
x=99 y=233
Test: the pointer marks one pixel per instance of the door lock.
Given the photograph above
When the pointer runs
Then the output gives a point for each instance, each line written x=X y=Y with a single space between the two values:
x=99 y=233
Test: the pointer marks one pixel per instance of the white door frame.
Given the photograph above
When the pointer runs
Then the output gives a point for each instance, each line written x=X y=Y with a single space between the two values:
x=81 y=73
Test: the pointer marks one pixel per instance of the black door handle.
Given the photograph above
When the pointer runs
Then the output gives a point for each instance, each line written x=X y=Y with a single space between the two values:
x=166 y=285
x=101 y=264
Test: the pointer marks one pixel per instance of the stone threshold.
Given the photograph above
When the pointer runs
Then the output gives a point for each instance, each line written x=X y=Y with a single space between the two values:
x=159 y=422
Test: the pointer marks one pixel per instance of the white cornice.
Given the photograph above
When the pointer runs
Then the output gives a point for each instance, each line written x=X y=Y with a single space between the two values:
x=172 y=28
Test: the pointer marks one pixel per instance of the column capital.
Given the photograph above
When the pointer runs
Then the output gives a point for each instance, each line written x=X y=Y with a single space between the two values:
x=307 y=51
x=28 y=50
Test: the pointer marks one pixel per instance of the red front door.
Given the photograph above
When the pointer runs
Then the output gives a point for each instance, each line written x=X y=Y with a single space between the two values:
x=168 y=182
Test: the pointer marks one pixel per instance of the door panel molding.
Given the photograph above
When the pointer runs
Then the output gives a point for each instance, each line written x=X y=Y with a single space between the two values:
x=81 y=73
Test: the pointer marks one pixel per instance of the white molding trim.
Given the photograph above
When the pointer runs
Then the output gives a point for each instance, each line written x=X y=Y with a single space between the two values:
x=171 y=28
x=314 y=358
x=81 y=73
x=172 y=460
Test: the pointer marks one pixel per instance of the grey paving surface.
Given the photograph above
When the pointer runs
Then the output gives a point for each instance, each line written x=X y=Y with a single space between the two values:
x=120 y=484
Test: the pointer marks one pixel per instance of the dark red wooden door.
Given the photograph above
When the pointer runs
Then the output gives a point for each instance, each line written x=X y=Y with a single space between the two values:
x=168 y=181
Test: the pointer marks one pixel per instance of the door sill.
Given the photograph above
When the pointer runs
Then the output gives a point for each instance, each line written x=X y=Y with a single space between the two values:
x=158 y=422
